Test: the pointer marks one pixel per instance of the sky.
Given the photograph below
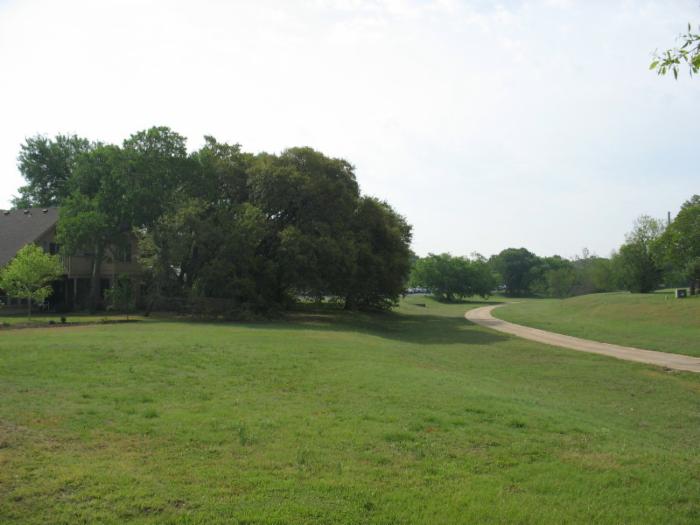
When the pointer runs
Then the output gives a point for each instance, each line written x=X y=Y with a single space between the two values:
x=487 y=124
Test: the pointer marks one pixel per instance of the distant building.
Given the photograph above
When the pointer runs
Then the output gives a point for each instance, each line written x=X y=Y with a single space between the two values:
x=38 y=225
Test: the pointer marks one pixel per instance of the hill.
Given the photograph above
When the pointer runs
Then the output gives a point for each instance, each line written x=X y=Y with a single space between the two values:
x=412 y=417
x=655 y=321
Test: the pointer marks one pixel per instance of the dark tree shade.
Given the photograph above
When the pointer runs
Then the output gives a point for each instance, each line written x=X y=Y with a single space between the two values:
x=257 y=231
x=381 y=262
x=261 y=231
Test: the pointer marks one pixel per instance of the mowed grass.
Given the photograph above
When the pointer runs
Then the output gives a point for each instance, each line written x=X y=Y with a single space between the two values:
x=21 y=319
x=655 y=321
x=412 y=417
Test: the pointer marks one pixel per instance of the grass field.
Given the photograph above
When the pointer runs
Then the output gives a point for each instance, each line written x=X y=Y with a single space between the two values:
x=17 y=319
x=652 y=321
x=411 y=417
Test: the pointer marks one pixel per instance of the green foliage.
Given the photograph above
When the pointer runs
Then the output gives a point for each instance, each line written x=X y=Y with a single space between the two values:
x=29 y=274
x=47 y=166
x=594 y=274
x=260 y=231
x=561 y=281
x=115 y=190
x=311 y=202
x=154 y=164
x=380 y=257
x=687 y=53
x=553 y=276
x=450 y=278
x=692 y=272
x=519 y=270
x=637 y=262
x=646 y=232
x=254 y=231
x=95 y=214
x=679 y=246
x=584 y=274
x=121 y=295
x=637 y=270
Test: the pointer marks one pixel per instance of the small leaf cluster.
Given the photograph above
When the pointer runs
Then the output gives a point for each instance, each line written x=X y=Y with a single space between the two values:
x=687 y=53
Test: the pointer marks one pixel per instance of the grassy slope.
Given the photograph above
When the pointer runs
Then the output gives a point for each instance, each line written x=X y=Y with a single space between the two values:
x=41 y=319
x=653 y=321
x=416 y=417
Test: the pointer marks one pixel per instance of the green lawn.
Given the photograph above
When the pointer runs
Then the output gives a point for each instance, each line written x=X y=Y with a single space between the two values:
x=655 y=321
x=412 y=417
x=42 y=319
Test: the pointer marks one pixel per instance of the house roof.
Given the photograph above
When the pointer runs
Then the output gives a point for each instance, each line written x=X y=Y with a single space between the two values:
x=21 y=227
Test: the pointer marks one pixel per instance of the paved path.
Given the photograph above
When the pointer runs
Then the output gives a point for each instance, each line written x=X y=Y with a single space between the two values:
x=482 y=316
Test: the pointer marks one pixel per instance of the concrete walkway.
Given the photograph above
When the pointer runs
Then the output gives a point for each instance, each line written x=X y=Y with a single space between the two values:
x=482 y=316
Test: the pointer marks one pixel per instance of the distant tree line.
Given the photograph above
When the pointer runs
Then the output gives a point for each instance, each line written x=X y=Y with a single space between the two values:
x=257 y=232
x=453 y=278
x=654 y=254
x=659 y=253
x=254 y=232
x=516 y=272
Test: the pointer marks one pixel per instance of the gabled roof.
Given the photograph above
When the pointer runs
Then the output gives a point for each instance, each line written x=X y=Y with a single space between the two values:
x=21 y=227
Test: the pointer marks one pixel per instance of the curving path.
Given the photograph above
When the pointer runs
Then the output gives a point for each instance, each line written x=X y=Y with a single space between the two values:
x=482 y=316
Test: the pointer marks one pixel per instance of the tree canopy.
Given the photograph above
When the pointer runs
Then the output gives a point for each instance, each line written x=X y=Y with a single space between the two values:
x=261 y=231
x=680 y=242
x=450 y=278
x=47 y=166
x=112 y=190
x=637 y=261
x=519 y=269
x=254 y=232
x=29 y=274
x=258 y=232
x=679 y=245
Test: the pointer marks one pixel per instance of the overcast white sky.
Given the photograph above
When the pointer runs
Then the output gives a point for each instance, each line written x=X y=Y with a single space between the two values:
x=488 y=124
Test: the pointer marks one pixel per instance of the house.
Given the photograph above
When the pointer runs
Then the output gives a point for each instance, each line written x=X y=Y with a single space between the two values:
x=38 y=225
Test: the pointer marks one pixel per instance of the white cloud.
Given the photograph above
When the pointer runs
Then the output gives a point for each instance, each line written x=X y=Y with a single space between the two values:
x=488 y=124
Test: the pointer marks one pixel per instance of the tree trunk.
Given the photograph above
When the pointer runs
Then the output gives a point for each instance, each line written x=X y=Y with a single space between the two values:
x=95 y=280
x=29 y=308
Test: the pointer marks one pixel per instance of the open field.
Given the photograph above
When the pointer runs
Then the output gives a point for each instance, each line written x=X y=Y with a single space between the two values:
x=41 y=319
x=651 y=321
x=412 y=417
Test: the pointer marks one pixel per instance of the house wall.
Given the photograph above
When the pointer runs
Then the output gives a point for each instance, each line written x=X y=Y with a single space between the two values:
x=72 y=291
x=81 y=266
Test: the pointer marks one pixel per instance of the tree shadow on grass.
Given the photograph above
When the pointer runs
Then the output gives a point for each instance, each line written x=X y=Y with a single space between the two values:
x=491 y=300
x=412 y=327
x=478 y=302
x=409 y=328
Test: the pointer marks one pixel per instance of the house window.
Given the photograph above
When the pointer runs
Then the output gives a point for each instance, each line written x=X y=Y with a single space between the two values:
x=54 y=248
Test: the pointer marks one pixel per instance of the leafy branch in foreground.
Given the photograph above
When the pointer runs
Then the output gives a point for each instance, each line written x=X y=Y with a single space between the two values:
x=688 y=53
